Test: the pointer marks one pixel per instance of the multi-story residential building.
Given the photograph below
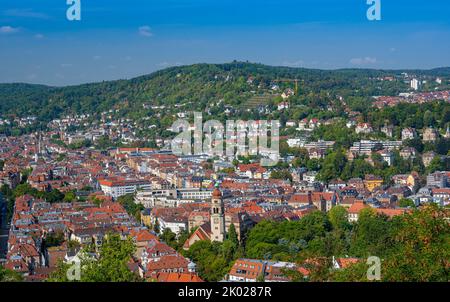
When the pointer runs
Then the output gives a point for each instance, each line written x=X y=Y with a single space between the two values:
x=367 y=146
x=323 y=201
x=320 y=145
x=415 y=84
x=408 y=153
x=437 y=179
x=176 y=224
x=408 y=133
x=387 y=156
x=428 y=157
x=194 y=194
x=308 y=124
x=116 y=187
x=296 y=142
x=388 y=130
x=310 y=177
x=371 y=182
x=148 y=198
x=430 y=135
x=359 y=205
x=443 y=194
x=364 y=128
x=247 y=270
x=255 y=171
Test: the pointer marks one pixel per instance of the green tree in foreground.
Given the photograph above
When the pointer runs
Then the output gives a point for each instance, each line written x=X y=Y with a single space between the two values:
x=214 y=259
x=354 y=273
x=338 y=217
x=422 y=249
x=420 y=253
x=111 y=265
x=9 y=276
x=233 y=236
x=372 y=235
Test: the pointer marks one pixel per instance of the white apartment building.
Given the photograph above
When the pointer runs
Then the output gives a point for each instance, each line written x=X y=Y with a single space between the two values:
x=321 y=145
x=415 y=84
x=367 y=146
x=119 y=187
x=194 y=194
x=176 y=225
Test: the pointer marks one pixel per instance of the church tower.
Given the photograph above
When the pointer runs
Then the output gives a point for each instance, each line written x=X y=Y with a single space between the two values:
x=217 y=216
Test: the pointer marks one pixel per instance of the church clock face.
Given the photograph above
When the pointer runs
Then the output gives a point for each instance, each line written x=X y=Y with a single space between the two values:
x=216 y=220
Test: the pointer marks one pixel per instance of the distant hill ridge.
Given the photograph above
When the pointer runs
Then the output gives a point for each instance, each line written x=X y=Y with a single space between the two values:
x=198 y=84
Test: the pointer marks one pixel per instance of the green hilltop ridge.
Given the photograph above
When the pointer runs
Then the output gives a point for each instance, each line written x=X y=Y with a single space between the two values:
x=202 y=87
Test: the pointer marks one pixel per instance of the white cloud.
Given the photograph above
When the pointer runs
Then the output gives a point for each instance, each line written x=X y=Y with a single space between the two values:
x=8 y=29
x=145 y=31
x=38 y=36
x=66 y=65
x=363 y=61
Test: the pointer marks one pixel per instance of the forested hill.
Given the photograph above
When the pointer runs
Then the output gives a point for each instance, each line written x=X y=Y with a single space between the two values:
x=197 y=87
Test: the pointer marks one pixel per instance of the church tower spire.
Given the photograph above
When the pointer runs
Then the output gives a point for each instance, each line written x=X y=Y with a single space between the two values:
x=217 y=216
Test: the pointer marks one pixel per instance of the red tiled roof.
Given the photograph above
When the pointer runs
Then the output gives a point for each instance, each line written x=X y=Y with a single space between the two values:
x=176 y=277
x=391 y=212
x=144 y=235
x=168 y=262
x=357 y=207
x=346 y=262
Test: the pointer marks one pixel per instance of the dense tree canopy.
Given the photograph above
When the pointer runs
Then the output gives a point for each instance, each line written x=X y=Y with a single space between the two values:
x=412 y=247
x=110 y=266
x=212 y=87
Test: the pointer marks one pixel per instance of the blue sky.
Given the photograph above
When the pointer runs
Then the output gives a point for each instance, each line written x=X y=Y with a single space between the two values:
x=125 y=38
